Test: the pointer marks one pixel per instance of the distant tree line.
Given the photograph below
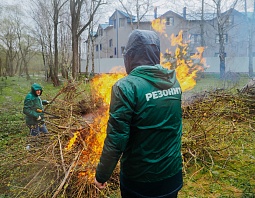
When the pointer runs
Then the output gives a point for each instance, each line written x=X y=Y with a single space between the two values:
x=49 y=32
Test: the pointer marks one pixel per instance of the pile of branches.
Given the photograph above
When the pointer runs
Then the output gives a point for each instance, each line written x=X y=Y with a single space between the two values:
x=54 y=165
x=248 y=89
x=211 y=125
x=213 y=122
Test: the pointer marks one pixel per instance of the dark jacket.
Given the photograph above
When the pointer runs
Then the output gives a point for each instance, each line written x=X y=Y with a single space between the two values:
x=145 y=122
x=32 y=103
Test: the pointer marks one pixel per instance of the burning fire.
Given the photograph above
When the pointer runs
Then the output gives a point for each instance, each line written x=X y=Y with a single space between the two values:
x=71 y=141
x=186 y=69
x=101 y=85
x=101 y=88
x=159 y=26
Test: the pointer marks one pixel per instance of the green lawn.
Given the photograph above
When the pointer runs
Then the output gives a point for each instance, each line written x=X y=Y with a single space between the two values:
x=222 y=164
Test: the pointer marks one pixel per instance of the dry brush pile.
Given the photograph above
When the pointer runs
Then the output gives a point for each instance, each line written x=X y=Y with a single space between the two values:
x=218 y=138
x=59 y=164
x=62 y=163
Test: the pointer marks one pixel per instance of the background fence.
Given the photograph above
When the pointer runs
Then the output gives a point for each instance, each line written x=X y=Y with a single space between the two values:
x=233 y=64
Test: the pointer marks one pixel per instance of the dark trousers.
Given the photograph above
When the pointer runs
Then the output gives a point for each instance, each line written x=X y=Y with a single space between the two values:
x=167 y=188
x=36 y=129
x=125 y=193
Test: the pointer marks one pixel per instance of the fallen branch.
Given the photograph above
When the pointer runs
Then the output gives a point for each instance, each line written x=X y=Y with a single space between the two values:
x=30 y=181
x=66 y=175
x=61 y=154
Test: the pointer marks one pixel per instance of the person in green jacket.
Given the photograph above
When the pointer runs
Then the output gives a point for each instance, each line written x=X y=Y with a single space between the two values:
x=144 y=129
x=33 y=109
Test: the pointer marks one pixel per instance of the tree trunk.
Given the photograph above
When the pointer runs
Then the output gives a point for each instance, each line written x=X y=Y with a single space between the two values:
x=251 y=30
x=1 y=67
x=202 y=26
x=93 y=56
x=88 y=52
x=26 y=71
x=55 y=70
x=75 y=45
x=75 y=9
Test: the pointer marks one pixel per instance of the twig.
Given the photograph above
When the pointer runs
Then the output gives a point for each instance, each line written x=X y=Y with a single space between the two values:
x=251 y=127
x=70 y=128
x=30 y=181
x=59 y=93
x=66 y=175
x=195 y=173
x=61 y=154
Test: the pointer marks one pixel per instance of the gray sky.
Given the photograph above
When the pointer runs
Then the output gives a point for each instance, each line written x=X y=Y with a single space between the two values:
x=163 y=6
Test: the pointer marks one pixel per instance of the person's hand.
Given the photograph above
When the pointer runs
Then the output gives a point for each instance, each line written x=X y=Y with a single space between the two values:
x=47 y=102
x=100 y=185
x=39 y=118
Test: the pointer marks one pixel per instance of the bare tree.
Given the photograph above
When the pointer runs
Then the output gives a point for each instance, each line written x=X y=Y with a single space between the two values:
x=222 y=21
x=26 y=43
x=44 y=33
x=76 y=27
x=65 y=46
x=46 y=15
x=202 y=25
x=138 y=8
x=57 y=6
x=8 y=37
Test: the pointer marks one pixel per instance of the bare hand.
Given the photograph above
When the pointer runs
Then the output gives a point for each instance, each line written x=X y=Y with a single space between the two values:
x=100 y=185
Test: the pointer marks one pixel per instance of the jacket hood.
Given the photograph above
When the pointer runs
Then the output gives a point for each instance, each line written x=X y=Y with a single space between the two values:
x=157 y=75
x=36 y=87
x=143 y=48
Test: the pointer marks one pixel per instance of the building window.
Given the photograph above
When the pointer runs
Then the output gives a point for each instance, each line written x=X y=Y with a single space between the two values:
x=100 y=32
x=97 y=48
x=121 y=22
x=100 y=47
x=229 y=21
x=170 y=21
x=115 y=51
x=225 y=37
x=122 y=50
x=110 y=43
x=195 y=38
x=114 y=24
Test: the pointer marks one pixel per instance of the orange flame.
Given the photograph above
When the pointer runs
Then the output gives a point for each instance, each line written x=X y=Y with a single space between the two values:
x=159 y=26
x=71 y=141
x=101 y=88
x=186 y=68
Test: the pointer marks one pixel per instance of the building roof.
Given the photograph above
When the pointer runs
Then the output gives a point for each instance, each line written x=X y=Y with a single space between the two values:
x=194 y=16
x=146 y=18
x=104 y=25
x=122 y=13
x=197 y=16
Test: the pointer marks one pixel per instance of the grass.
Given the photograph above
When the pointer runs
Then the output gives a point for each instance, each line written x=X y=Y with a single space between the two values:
x=13 y=131
x=231 y=175
x=228 y=170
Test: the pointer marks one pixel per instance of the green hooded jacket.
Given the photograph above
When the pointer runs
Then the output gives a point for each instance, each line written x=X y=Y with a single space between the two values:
x=33 y=102
x=145 y=123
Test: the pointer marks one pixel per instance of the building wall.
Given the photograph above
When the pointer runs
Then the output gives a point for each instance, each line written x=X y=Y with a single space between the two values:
x=237 y=45
x=237 y=37
x=165 y=37
x=233 y=64
x=103 y=65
